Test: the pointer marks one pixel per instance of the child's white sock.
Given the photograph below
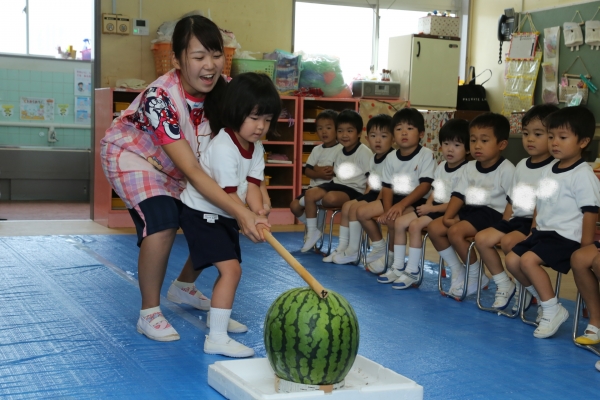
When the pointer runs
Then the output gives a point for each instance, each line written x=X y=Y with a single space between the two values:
x=344 y=236
x=550 y=307
x=456 y=266
x=219 y=319
x=378 y=245
x=502 y=280
x=534 y=293
x=399 y=261
x=474 y=270
x=149 y=311
x=355 y=229
x=311 y=226
x=414 y=256
x=302 y=201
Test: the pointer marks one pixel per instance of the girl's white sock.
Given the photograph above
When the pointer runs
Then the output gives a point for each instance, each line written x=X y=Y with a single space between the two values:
x=219 y=319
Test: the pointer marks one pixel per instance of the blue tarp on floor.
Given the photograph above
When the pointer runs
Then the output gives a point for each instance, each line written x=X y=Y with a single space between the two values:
x=69 y=305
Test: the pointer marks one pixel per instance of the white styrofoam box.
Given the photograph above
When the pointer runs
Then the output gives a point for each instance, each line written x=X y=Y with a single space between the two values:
x=254 y=379
x=439 y=26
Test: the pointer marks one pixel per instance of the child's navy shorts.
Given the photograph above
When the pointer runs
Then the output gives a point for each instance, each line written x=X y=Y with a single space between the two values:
x=554 y=250
x=211 y=238
x=521 y=224
x=368 y=197
x=434 y=215
x=481 y=217
x=155 y=214
x=337 y=187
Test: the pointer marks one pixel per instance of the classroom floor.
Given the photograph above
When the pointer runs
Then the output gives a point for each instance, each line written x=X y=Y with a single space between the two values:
x=70 y=303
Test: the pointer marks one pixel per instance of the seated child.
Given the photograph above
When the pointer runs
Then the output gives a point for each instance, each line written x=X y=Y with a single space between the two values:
x=477 y=202
x=406 y=181
x=251 y=102
x=565 y=216
x=319 y=166
x=520 y=207
x=454 y=137
x=380 y=141
x=586 y=271
x=350 y=181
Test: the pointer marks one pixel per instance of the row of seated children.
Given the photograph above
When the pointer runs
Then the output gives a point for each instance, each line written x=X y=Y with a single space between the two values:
x=542 y=212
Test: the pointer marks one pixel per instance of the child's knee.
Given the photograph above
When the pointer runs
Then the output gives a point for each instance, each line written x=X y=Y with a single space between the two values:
x=484 y=239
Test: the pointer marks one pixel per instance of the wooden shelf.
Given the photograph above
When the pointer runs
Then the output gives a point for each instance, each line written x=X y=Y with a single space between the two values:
x=279 y=187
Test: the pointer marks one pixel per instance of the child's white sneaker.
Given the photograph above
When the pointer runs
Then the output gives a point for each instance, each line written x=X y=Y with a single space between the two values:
x=232 y=326
x=375 y=255
x=549 y=326
x=590 y=336
x=540 y=314
x=343 y=258
x=378 y=266
x=229 y=348
x=191 y=296
x=406 y=280
x=311 y=240
x=471 y=286
x=503 y=297
x=598 y=365
x=329 y=258
x=156 y=327
x=390 y=276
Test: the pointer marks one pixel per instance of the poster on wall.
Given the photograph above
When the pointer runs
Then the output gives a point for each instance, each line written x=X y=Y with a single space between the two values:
x=83 y=82
x=63 y=109
x=82 y=110
x=37 y=109
x=7 y=110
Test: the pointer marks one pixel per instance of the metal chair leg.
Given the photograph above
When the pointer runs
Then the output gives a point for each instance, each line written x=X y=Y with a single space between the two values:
x=576 y=326
x=422 y=262
x=387 y=255
x=464 y=291
x=361 y=248
x=522 y=300
x=333 y=214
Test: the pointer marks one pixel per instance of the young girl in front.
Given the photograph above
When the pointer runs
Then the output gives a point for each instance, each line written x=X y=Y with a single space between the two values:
x=454 y=137
x=237 y=165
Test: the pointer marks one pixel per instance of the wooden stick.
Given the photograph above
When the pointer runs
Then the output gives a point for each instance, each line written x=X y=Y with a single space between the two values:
x=304 y=274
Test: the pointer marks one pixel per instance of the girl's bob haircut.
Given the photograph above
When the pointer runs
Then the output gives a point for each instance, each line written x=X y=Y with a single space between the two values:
x=250 y=93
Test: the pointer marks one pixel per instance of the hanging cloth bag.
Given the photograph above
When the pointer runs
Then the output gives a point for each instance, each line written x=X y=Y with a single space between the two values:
x=572 y=85
x=592 y=32
x=470 y=96
x=572 y=32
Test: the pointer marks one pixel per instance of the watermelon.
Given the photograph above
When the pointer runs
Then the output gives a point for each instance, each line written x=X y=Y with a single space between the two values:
x=311 y=340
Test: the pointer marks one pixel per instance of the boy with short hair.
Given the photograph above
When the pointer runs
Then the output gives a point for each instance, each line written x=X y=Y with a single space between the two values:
x=520 y=207
x=406 y=182
x=350 y=181
x=454 y=138
x=477 y=202
x=380 y=140
x=319 y=166
x=567 y=204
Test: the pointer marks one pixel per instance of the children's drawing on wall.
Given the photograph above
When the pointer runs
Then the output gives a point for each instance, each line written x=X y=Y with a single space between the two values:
x=7 y=110
x=63 y=109
x=82 y=109
x=83 y=82
x=37 y=109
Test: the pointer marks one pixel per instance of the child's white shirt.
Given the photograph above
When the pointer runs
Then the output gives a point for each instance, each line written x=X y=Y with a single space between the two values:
x=563 y=196
x=374 y=176
x=232 y=167
x=322 y=157
x=445 y=181
x=404 y=173
x=351 y=167
x=526 y=180
x=489 y=187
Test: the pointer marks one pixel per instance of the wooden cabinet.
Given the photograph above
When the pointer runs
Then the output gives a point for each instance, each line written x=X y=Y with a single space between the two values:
x=282 y=162
x=109 y=209
x=307 y=130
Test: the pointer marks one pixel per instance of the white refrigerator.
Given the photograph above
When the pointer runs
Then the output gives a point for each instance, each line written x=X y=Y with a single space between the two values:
x=426 y=68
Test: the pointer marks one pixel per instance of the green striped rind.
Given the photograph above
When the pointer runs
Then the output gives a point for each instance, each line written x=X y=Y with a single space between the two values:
x=311 y=340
